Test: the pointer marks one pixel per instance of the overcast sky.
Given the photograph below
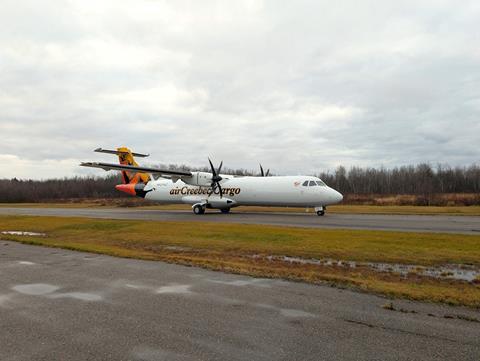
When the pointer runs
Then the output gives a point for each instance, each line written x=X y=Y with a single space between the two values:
x=301 y=86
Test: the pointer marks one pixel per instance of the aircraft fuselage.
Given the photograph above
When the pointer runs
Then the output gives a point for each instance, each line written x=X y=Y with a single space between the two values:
x=249 y=191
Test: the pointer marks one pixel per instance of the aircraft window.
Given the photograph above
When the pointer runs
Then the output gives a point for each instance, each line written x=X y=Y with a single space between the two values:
x=320 y=183
x=312 y=183
x=305 y=184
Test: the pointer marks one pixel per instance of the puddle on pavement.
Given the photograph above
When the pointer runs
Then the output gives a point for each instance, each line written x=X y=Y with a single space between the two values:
x=82 y=296
x=23 y=233
x=26 y=263
x=45 y=289
x=35 y=289
x=467 y=273
x=174 y=289
x=136 y=287
x=177 y=248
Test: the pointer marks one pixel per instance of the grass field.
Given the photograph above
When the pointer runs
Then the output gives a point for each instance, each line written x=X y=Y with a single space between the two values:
x=245 y=249
x=342 y=209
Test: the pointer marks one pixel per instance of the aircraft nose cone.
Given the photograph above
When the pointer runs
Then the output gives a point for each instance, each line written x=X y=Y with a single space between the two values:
x=337 y=197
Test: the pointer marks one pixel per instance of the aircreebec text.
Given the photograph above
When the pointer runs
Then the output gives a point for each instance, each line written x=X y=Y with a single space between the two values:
x=207 y=191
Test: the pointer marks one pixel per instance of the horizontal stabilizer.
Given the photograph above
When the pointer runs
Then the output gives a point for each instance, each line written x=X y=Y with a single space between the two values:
x=117 y=152
x=131 y=168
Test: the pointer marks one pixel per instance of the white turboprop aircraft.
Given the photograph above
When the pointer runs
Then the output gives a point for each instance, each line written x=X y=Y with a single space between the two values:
x=214 y=190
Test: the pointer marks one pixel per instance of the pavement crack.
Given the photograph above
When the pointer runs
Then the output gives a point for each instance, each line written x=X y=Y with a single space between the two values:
x=360 y=323
x=413 y=333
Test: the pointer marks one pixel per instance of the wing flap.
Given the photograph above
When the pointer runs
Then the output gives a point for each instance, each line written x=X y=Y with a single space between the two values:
x=131 y=168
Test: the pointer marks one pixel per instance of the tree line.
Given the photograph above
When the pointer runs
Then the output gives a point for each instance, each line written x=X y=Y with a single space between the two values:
x=421 y=180
x=20 y=191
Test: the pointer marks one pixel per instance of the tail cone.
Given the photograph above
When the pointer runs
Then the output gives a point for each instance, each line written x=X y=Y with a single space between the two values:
x=133 y=189
x=126 y=188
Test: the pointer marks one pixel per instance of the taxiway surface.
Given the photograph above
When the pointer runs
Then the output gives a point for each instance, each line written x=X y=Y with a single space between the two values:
x=63 y=305
x=411 y=223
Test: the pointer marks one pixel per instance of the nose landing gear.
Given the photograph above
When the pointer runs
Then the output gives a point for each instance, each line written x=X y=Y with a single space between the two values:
x=320 y=210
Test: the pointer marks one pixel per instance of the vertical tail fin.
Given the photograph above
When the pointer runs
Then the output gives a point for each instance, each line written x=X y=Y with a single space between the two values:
x=126 y=157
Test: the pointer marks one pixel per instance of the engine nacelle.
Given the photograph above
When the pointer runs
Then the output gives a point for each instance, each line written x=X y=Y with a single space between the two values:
x=221 y=203
x=202 y=179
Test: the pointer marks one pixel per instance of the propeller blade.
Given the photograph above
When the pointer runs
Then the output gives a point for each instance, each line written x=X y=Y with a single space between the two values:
x=261 y=171
x=220 y=167
x=268 y=173
x=212 y=167
x=216 y=178
x=216 y=185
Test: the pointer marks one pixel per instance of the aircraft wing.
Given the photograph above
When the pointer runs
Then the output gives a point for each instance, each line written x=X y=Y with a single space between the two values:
x=131 y=168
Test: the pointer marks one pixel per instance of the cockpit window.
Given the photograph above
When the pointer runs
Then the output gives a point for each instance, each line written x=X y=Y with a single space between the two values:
x=320 y=183
x=305 y=184
x=312 y=183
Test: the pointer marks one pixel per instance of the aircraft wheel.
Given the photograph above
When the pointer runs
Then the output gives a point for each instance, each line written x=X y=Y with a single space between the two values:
x=198 y=209
x=225 y=210
x=320 y=213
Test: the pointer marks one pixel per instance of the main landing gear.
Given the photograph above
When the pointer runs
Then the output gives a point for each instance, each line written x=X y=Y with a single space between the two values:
x=320 y=210
x=198 y=209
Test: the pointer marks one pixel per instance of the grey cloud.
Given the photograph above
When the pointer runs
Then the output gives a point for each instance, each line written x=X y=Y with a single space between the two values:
x=300 y=86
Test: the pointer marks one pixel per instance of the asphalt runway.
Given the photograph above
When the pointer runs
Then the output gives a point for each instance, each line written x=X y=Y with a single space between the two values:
x=62 y=305
x=413 y=223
